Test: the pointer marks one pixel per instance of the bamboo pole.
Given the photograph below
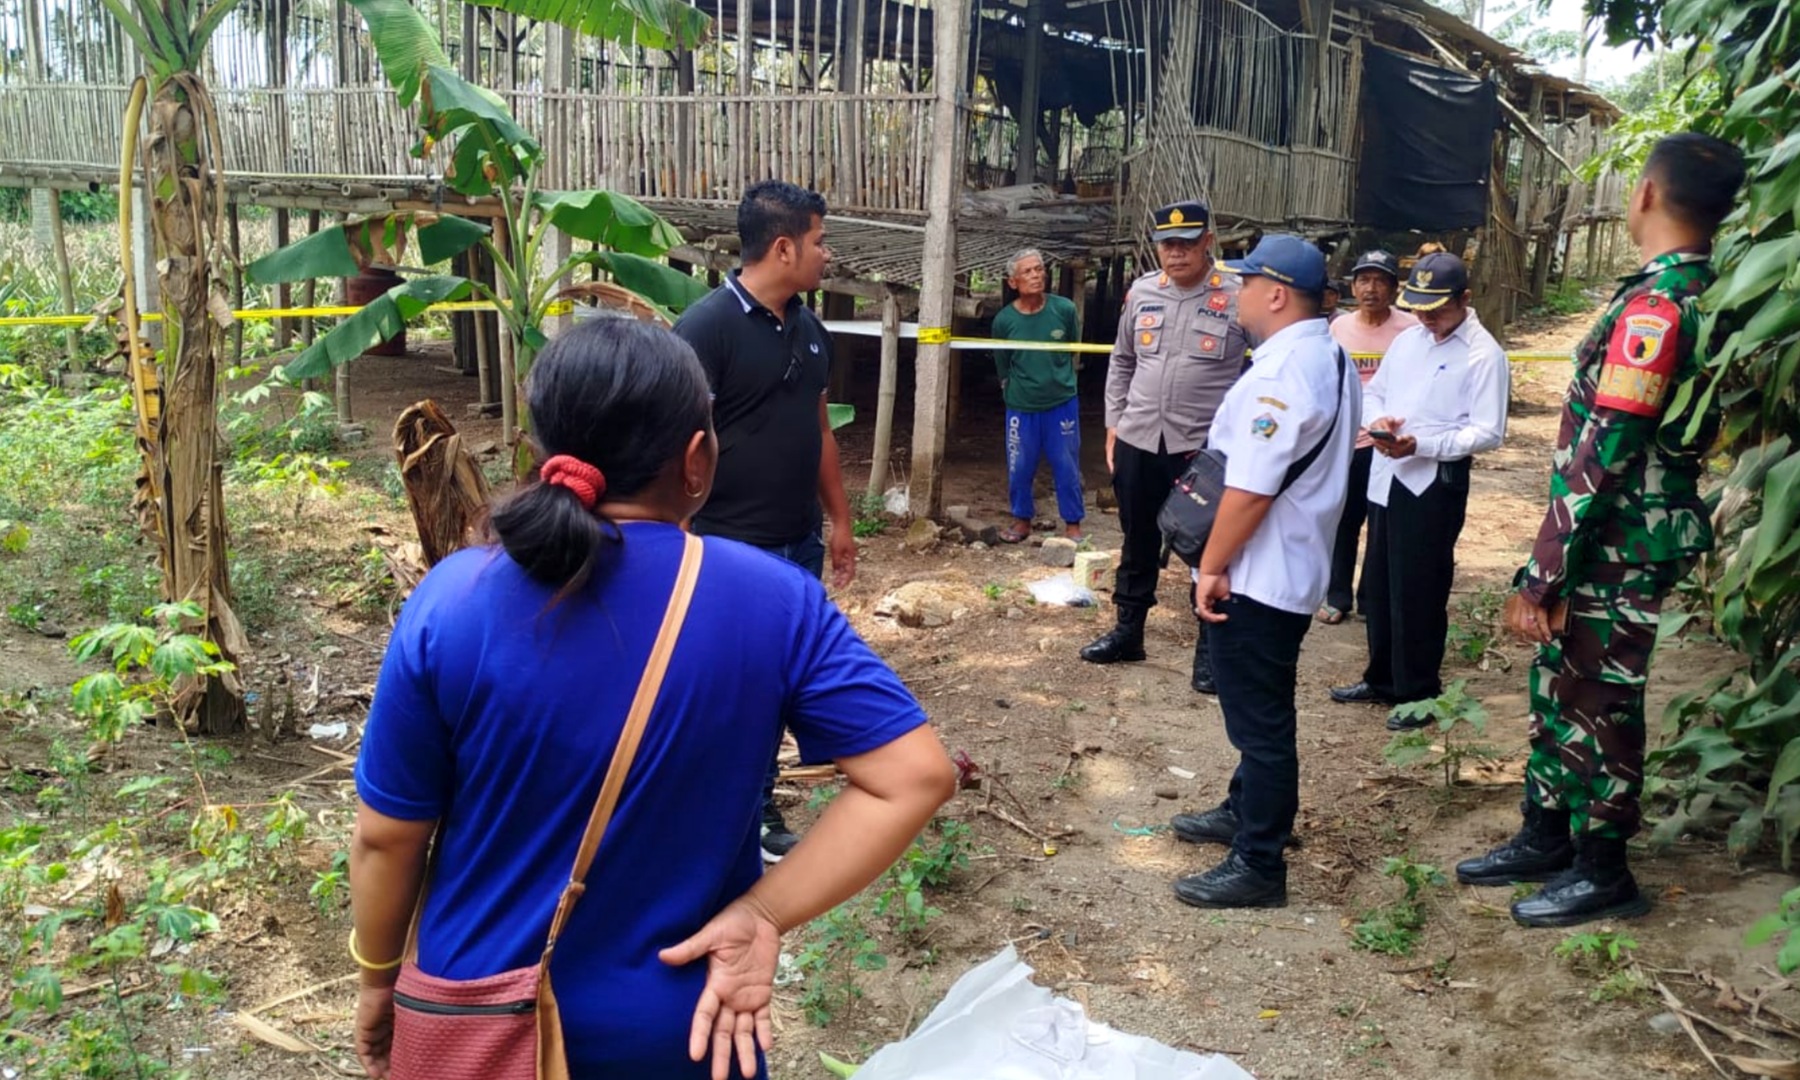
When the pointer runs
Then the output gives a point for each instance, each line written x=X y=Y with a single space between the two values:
x=509 y=396
x=310 y=292
x=484 y=373
x=284 y=293
x=233 y=215
x=885 y=395
x=65 y=281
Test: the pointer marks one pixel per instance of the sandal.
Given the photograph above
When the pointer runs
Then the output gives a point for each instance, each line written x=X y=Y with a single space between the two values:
x=1329 y=615
x=1012 y=534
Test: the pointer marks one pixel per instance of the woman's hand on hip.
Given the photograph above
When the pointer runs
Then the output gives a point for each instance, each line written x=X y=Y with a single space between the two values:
x=742 y=945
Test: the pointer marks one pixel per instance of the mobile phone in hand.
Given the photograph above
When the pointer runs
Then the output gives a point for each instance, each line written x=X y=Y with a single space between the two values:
x=1382 y=435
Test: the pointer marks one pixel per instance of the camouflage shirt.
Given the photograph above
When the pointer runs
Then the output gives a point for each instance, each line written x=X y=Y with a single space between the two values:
x=1624 y=488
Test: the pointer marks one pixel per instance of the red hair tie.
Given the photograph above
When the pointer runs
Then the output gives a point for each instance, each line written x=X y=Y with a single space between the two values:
x=587 y=482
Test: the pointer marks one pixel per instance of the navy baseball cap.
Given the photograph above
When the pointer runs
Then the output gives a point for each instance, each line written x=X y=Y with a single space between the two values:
x=1435 y=279
x=1383 y=261
x=1288 y=259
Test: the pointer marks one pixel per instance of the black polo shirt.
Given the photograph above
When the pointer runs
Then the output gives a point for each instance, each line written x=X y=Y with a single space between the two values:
x=768 y=373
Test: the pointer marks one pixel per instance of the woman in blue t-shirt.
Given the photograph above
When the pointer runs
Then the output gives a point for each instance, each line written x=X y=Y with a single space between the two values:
x=505 y=687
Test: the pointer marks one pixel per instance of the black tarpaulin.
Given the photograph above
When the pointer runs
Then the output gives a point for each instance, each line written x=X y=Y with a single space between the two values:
x=1428 y=144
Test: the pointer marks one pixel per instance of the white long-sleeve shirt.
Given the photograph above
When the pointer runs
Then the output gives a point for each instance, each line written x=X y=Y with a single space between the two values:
x=1450 y=395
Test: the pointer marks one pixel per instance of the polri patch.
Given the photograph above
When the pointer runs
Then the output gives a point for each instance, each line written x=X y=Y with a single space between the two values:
x=1209 y=344
x=1265 y=426
x=1218 y=301
x=1640 y=359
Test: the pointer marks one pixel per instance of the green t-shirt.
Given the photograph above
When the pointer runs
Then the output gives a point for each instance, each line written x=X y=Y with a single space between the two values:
x=1037 y=380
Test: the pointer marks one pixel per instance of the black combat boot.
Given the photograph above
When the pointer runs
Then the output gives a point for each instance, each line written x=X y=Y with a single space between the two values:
x=1203 y=673
x=1539 y=852
x=1598 y=886
x=1124 y=642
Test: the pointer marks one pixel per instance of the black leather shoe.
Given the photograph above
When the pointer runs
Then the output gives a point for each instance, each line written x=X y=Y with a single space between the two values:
x=1124 y=643
x=1232 y=884
x=1599 y=886
x=1216 y=826
x=1409 y=721
x=1203 y=672
x=1360 y=694
x=1539 y=852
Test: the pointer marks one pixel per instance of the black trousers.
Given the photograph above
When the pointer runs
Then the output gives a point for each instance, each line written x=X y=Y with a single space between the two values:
x=1349 y=531
x=1141 y=480
x=1407 y=574
x=1255 y=659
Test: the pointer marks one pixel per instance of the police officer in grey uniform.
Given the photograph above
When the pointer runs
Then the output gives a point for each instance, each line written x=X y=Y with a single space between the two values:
x=1178 y=350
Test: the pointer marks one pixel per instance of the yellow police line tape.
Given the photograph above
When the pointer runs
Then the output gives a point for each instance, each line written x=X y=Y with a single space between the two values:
x=561 y=307
x=926 y=335
x=941 y=335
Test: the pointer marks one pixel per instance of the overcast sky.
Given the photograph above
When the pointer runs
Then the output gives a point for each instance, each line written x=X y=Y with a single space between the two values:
x=1604 y=64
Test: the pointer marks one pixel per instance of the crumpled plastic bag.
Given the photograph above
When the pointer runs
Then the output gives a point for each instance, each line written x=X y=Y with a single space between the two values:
x=996 y=1024
x=1061 y=591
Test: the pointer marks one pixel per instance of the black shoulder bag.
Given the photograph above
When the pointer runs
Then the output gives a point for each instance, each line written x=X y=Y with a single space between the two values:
x=1186 y=517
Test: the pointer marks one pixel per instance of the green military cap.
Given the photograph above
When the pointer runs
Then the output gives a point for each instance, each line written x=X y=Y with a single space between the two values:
x=1181 y=221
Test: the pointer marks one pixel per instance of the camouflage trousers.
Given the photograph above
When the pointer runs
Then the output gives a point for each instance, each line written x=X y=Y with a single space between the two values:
x=1587 y=698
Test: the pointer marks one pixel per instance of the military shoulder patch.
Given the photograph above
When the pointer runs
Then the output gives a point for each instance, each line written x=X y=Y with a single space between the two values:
x=1641 y=357
x=1265 y=426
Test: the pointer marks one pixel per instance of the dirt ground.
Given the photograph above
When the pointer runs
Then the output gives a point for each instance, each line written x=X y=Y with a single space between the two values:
x=1088 y=755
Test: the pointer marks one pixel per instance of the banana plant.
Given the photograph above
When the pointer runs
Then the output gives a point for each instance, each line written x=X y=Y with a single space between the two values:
x=486 y=154
x=176 y=392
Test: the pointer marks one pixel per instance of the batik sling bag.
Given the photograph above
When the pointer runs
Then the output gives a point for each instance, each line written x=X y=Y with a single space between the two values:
x=506 y=1026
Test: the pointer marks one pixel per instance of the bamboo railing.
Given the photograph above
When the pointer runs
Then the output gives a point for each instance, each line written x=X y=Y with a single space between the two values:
x=672 y=146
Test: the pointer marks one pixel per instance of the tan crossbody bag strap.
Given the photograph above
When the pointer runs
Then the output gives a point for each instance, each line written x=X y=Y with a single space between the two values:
x=641 y=705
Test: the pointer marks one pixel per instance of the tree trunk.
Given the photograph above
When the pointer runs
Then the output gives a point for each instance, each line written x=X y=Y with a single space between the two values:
x=181 y=175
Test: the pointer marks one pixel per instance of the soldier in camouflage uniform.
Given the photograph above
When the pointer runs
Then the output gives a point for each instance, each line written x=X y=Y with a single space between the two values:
x=1625 y=524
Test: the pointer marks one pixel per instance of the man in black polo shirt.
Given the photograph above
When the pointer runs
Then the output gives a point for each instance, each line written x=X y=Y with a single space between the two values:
x=767 y=357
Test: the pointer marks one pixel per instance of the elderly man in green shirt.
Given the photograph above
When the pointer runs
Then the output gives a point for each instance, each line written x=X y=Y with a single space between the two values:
x=1043 y=418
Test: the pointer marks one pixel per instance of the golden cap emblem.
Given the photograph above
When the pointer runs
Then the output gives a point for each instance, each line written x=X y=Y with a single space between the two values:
x=1424 y=278
x=1175 y=217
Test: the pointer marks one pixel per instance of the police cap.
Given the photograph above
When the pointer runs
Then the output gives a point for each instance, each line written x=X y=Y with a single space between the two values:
x=1181 y=221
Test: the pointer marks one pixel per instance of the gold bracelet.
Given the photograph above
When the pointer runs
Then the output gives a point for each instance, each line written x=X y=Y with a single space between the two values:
x=364 y=964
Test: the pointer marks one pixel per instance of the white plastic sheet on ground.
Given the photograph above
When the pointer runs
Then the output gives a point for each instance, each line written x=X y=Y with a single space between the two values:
x=995 y=1024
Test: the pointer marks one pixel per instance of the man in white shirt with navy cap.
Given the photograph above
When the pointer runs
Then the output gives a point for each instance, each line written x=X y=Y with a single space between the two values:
x=1438 y=399
x=1287 y=429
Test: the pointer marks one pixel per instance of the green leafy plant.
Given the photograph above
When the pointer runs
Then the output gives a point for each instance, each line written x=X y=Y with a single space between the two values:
x=331 y=887
x=1605 y=955
x=1449 y=713
x=870 y=513
x=1780 y=924
x=843 y=942
x=1396 y=928
x=148 y=662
